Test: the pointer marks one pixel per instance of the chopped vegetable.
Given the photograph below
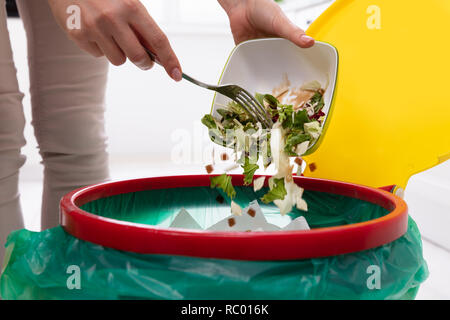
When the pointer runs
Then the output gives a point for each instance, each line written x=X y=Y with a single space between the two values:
x=277 y=192
x=293 y=139
x=249 y=171
x=302 y=205
x=302 y=148
x=313 y=129
x=293 y=195
x=258 y=183
x=297 y=116
x=220 y=199
x=311 y=86
x=236 y=209
x=223 y=182
x=300 y=119
x=209 y=168
x=209 y=121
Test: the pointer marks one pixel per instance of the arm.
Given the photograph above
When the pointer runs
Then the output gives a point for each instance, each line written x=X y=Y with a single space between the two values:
x=251 y=19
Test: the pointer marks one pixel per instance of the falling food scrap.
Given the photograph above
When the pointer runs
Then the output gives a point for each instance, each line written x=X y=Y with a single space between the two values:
x=298 y=161
x=312 y=167
x=302 y=205
x=220 y=199
x=231 y=167
x=209 y=168
x=288 y=178
x=224 y=156
x=236 y=209
x=258 y=183
x=253 y=220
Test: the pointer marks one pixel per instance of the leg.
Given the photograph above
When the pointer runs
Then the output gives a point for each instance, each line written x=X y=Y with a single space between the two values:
x=67 y=96
x=12 y=123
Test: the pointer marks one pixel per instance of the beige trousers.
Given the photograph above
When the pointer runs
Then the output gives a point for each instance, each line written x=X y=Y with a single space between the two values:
x=67 y=88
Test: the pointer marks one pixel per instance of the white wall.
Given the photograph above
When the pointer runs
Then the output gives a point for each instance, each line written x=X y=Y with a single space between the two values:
x=428 y=199
x=145 y=108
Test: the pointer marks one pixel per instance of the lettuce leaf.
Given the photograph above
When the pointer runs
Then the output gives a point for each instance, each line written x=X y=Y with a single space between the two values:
x=213 y=131
x=317 y=98
x=313 y=129
x=223 y=182
x=278 y=191
x=260 y=98
x=226 y=114
x=293 y=139
x=271 y=100
x=300 y=118
x=249 y=171
x=209 y=122
x=285 y=115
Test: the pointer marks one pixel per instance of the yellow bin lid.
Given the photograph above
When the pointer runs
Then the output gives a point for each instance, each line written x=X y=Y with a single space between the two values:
x=391 y=112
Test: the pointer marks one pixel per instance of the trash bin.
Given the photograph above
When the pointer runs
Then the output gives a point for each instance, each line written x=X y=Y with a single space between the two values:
x=361 y=245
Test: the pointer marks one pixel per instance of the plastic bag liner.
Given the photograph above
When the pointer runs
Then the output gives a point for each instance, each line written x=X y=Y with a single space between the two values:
x=42 y=265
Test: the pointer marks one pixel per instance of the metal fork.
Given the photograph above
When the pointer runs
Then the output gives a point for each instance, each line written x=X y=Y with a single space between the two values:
x=235 y=93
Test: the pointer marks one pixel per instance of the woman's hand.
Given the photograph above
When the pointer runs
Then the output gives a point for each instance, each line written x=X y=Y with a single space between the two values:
x=118 y=29
x=252 y=19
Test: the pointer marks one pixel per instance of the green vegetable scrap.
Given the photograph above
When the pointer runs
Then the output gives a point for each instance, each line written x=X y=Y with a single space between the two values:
x=223 y=182
x=249 y=171
x=278 y=191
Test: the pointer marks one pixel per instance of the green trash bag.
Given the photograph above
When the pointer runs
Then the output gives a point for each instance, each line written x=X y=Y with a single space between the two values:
x=55 y=265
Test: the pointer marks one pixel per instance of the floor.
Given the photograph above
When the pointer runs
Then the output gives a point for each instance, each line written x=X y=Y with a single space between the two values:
x=437 y=286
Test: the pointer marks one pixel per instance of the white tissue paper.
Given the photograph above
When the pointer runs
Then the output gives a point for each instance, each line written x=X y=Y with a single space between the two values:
x=184 y=220
x=252 y=219
x=297 y=224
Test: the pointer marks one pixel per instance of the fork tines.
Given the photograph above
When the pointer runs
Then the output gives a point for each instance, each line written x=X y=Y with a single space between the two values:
x=254 y=108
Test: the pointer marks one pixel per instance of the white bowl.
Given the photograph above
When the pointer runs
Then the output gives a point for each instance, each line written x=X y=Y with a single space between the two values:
x=259 y=66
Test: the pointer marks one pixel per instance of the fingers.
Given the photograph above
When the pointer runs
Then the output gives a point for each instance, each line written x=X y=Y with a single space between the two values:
x=91 y=48
x=133 y=49
x=98 y=42
x=111 y=50
x=155 y=39
x=284 y=28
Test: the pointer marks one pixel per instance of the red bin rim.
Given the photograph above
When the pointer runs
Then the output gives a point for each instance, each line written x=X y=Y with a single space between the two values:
x=278 y=245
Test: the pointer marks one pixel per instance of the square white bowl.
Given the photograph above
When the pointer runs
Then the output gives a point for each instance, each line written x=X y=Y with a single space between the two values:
x=259 y=66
